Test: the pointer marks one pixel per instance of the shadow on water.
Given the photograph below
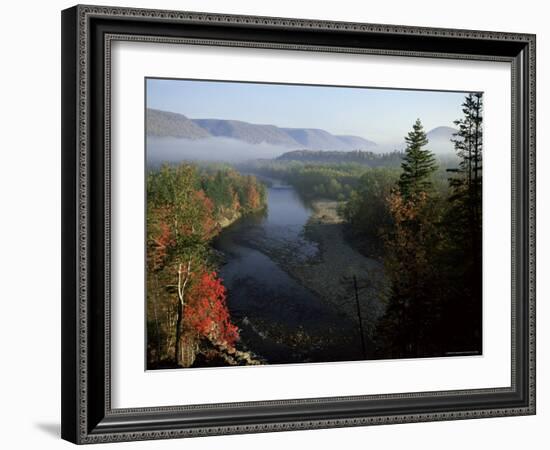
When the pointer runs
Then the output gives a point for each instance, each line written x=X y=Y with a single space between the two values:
x=281 y=321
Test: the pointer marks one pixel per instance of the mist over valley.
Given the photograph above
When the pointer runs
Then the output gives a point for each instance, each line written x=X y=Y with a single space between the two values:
x=173 y=137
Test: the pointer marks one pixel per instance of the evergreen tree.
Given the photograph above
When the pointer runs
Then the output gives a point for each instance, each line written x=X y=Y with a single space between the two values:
x=465 y=213
x=418 y=163
x=468 y=143
x=411 y=243
x=463 y=225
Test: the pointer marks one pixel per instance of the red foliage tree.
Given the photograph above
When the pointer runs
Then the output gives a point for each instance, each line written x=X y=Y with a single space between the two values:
x=206 y=310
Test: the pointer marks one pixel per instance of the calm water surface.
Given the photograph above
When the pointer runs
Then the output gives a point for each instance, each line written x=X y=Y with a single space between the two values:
x=281 y=321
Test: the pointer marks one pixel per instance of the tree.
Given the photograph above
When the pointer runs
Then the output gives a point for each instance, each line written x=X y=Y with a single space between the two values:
x=468 y=141
x=218 y=188
x=411 y=243
x=253 y=199
x=463 y=223
x=207 y=312
x=367 y=209
x=418 y=163
x=187 y=313
x=180 y=222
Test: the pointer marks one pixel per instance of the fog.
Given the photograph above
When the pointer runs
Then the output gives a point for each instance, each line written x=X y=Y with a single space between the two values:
x=173 y=150
x=439 y=146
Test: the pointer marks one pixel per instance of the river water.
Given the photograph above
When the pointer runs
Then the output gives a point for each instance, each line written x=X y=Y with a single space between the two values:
x=281 y=321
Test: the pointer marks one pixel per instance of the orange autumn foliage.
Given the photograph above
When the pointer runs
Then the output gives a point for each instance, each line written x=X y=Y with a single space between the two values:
x=160 y=240
x=411 y=231
x=253 y=197
x=186 y=301
x=209 y=227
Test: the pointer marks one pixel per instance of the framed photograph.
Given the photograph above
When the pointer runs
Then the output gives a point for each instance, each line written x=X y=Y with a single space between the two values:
x=278 y=224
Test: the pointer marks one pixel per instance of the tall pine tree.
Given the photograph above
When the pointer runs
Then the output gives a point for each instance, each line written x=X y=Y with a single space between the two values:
x=468 y=143
x=418 y=164
x=412 y=311
x=464 y=226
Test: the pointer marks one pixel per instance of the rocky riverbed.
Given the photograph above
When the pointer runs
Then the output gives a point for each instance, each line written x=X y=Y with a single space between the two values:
x=331 y=274
x=293 y=282
x=324 y=262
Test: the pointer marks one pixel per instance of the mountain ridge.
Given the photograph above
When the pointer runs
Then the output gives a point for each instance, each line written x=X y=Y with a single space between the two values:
x=164 y=123
x=309 y=138
x=169 y=124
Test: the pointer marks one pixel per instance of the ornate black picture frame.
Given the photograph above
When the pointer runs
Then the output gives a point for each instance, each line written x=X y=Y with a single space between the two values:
x=87 y=35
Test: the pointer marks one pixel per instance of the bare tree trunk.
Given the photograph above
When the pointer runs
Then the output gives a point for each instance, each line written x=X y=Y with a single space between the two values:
x=183 y=279
x=178 y=333
x=156 y=317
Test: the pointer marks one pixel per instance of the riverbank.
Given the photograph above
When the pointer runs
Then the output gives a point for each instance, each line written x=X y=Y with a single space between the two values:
x=226 y=221
x=331 y=274
x=280 y=319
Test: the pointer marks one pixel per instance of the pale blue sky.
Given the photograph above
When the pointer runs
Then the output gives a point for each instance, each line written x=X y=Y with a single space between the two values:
x=382 y=115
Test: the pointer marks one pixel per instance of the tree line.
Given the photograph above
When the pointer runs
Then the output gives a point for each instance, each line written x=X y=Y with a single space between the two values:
x=430 y=239
x=334 y=181
x=333 y=178
x=362 y=157
x=187 y=314
x=422 y=218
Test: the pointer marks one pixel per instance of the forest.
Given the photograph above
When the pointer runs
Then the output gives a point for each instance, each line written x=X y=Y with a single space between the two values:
x=419 y=215
x=187 y=312
x=429 y=235
x=367 y=158
x=423 y=219
x=334 y=181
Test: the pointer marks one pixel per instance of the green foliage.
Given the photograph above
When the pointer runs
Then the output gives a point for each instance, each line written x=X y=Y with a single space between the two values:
x=424 y=220
x=328 y=181
x=367 y=208
x=466 y=183
x=370 y=159
x=218 y=188
x=411 y=241
x=186 y=208
x=463 y=222
x=232 y=192
x=412 y=323
x=418 y=163
x=427 y=221
x=172 y=200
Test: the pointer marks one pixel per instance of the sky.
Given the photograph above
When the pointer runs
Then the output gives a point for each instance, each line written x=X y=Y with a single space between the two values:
x=381 y=115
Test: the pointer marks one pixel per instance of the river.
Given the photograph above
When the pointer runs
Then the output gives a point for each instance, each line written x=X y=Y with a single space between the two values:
x=281 y=321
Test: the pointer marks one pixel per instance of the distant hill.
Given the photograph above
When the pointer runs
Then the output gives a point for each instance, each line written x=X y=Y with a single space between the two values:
x=317 y=139
x=440 y=140
x=368 y=158
x=168 y=124
x=356 y=141
x=441 y=133
x=163 y=123
x=247 y=132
